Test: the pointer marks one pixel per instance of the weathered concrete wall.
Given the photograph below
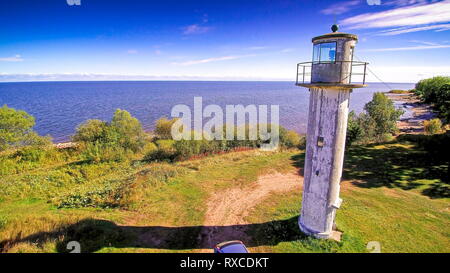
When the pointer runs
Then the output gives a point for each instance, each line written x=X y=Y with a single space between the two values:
x=327 y=125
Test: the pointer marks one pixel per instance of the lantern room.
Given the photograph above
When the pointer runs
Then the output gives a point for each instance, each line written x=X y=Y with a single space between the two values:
x=332 y=63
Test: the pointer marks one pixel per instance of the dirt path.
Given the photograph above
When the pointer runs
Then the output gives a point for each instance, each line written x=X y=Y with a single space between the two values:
x=225 y=216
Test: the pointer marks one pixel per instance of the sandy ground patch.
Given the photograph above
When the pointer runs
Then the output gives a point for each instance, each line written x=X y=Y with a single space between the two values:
x=225 y=216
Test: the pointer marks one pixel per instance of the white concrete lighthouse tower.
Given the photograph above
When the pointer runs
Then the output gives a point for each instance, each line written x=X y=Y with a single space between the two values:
x=330 y=85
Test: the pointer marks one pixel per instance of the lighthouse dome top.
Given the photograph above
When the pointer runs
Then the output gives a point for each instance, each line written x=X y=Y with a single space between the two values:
x=335 y=34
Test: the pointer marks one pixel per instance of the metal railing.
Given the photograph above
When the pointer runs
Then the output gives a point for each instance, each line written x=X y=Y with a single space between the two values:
x=304 y=71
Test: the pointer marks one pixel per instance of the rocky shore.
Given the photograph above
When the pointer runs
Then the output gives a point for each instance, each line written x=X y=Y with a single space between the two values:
x=416 y=112
x=65 y=145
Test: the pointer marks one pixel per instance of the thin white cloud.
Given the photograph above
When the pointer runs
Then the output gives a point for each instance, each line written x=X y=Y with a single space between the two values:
x=424 y=42
x=286 y=50
x=257 y=47
x=16 y=58
x=132 y=51
x=397 y=31
x=340 y=8
x=209 y=60
x=195 y=29
x=424 y=47
x=401 y=3
x=373 y=2
x=416 y=15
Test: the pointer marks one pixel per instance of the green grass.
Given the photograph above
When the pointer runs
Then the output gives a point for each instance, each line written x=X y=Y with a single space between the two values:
x=389 y=196
x=401 y=221
x=399 y=165
x=157 y=194
x=393 y=193
x=280 y=233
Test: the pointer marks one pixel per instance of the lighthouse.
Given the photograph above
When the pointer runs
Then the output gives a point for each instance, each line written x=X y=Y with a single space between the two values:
x=330 y=78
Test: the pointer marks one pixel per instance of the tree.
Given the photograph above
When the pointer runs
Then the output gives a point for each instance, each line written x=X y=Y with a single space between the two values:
x=382 y=112
x=129 y=130
x=354 y=130
x=91 y=131
x=16 y=129
x=377 y=123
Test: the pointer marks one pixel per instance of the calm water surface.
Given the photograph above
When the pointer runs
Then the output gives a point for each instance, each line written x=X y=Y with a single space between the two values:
x=59 y=107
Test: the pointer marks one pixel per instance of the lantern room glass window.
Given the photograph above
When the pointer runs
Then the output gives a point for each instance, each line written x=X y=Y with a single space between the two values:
x=324 y=53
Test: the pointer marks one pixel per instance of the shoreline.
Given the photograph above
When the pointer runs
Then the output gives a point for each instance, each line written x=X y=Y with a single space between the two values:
x=65 y=145
x=416 y=112
x=411 y=121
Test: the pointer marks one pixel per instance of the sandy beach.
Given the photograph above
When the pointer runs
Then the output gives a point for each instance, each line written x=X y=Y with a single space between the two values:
x=415 y=113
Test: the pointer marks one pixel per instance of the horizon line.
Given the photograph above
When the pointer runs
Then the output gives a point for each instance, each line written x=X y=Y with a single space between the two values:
x=185 y=80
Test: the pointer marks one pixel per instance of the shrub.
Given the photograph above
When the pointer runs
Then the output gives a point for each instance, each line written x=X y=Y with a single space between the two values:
x=38 y=154
x=290 y=139
x=16 y=129
x=149 y=147
x=163 y=128
x=107 y=195
x=101 y=152
x=429 y=89
x=187 y=148
x=212 y=146
x=442 y=105
x=115 y=141
x=161 y=173
x=33 y=139
x=436 y=91
x=165 y=151
x=170 y=150
x=31 y=157
x=433 y=126
x=398 y=91
x=165 y=144
x=91 y=131
x=30 y=153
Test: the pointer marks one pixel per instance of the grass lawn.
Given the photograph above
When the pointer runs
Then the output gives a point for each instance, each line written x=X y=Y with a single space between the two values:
x=158 y=194
x=392 y=194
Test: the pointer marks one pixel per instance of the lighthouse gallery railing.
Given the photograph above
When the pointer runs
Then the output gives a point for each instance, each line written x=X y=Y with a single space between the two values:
x=304 y=71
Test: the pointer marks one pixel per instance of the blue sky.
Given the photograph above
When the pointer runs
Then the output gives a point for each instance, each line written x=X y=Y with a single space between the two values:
x=404 y=40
